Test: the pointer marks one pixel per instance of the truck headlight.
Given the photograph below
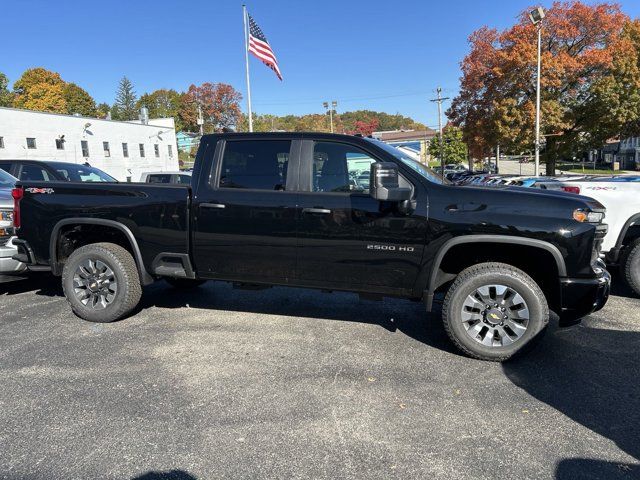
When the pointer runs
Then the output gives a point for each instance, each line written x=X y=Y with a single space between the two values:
x=587 y=216
x=6 y=218
x=6 y=223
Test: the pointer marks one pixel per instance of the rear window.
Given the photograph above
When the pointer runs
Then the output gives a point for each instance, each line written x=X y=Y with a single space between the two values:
x=159 y=178
x=83 y=173
x=255 y=164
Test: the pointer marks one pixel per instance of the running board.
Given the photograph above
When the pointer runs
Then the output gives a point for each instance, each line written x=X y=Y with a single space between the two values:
x=175 y=265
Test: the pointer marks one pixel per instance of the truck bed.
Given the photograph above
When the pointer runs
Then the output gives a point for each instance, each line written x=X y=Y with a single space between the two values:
x=156 y=215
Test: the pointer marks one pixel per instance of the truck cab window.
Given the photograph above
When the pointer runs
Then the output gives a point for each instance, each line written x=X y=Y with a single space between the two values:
x=339 y=167
x=255 y=164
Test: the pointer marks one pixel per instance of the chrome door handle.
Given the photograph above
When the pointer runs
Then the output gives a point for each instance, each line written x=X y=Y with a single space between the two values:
x=212 y=205
x=322 y=211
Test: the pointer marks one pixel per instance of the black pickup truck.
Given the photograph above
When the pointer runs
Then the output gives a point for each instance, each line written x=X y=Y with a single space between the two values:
x=295 y=209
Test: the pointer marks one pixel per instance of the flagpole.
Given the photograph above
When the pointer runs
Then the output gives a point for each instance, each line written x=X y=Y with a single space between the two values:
x=246 y=59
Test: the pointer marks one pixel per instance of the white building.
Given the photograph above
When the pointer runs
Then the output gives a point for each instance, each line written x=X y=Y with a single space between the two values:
x=122 y=149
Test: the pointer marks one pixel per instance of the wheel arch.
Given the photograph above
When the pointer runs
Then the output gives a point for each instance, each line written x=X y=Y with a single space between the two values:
x=436 y=277
x=54 y=242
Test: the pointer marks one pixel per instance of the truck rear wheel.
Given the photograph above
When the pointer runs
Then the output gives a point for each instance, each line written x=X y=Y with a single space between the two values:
x=492 y=310
x=630 y=266
x=101 y=282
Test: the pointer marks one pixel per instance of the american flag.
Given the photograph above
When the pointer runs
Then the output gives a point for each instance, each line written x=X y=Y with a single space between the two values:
x=259 y=46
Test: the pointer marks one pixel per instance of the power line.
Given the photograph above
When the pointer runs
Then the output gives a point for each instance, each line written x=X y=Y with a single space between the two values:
x=345 y=100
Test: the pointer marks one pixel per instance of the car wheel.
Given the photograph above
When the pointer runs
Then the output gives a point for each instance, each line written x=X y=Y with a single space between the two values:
x=630 y=266
x=101 y=282
x=184 y=283
x=493 y=310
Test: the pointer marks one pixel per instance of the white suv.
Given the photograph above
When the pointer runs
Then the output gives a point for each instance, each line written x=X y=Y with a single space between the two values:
x=621 y=196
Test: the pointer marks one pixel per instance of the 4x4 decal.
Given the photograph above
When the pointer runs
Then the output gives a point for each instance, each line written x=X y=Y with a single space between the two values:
x=39 y=190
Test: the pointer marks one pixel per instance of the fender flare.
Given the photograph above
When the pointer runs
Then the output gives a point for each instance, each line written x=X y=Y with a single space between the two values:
x=145 y=278
x=452 y=242
x=634 y=218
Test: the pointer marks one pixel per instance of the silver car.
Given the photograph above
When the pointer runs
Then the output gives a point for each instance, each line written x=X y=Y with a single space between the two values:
x=7 y=250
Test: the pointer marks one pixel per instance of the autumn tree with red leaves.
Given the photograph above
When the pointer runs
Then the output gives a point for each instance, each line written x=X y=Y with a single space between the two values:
x=220 y=105
x=590 y=82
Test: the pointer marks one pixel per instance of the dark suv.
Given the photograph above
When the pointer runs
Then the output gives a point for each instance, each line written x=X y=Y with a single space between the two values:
x=49 y=171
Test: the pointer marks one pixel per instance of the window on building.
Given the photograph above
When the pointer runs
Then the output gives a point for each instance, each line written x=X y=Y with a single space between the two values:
x=106 y=148
x=2 y=143
x=170 y=150
x=85 y=148
x=255 y=164
x=142 y=150
x=156 y=149
x=59 y=143
x=31 y=142
x=125 y=150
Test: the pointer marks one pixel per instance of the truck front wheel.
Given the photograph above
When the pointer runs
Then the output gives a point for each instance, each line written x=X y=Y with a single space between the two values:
x=101 y=282
x=492 y=310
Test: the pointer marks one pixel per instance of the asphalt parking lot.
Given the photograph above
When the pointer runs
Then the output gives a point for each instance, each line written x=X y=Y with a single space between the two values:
x=288 y=383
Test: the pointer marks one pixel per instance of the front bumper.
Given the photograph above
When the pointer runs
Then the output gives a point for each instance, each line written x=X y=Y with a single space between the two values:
x=581 y=296
x=9 y=267
x=7 y=262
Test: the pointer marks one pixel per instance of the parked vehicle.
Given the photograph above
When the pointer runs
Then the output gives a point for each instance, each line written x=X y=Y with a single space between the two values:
x=166 y=177
x=280 y=209
x=621 y=196
x=8 y=266
x=47 y=171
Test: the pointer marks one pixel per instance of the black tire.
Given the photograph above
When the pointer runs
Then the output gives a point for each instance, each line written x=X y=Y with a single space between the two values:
x=184 y=283
x=478 y=277
x=630 y=265
x=125 y=273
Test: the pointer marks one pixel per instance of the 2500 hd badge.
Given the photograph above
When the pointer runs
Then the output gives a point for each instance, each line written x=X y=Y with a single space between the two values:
x=390 y=248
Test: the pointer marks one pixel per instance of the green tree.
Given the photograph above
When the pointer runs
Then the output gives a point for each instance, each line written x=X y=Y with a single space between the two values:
x=163 y=103
x=6 y=97
x=454 y=149
x=124 y=107
x=102 y=110
x=79 y=101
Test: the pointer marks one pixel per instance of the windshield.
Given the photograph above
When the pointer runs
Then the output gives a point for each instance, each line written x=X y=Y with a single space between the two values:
x=422 y=169
x=83 y=173
x=6 y=180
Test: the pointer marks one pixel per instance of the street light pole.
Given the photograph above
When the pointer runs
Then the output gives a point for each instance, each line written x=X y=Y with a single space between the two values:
x=536 y=16
x=537 y=168
x=330 y=108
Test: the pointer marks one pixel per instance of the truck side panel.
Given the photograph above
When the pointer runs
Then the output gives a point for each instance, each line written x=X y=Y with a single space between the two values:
x=158 y=216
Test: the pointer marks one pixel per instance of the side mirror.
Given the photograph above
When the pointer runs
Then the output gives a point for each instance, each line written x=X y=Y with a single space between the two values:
x=384 y=185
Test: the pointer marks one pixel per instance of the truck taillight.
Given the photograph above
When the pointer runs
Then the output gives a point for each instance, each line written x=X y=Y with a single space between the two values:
x=571 y=189
x=17 y=194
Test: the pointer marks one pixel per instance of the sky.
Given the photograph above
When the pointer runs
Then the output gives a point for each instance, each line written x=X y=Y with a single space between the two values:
x=376 y=55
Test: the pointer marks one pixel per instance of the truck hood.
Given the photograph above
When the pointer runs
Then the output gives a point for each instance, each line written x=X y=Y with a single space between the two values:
x=522 y=201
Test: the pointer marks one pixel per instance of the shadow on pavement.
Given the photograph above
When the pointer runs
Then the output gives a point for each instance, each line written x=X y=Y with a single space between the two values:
x=592 y=376
x=391 y=314
x=41 y=283
x=168 y=475
x=588 y=469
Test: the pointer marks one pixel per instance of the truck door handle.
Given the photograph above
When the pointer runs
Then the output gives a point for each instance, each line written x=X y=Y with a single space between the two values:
x=212 y=205
x=316 y=211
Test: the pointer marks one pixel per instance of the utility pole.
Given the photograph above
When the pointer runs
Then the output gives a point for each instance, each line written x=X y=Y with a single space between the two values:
x=439 y=100
x=497 y=158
